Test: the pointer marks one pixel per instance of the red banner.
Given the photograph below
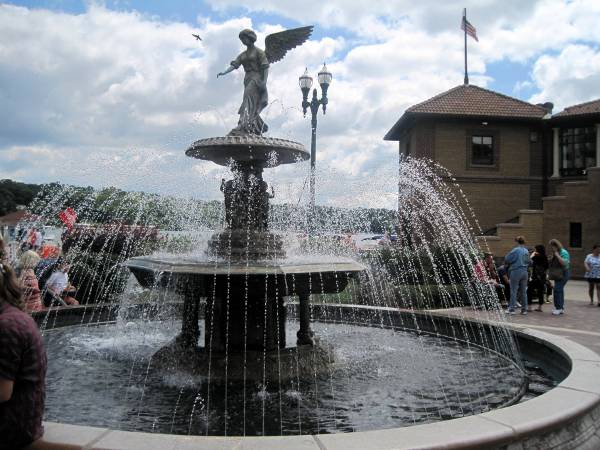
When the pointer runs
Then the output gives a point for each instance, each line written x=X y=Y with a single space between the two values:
x=68 y=217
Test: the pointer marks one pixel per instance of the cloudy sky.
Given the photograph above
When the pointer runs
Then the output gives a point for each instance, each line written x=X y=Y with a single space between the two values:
x=111 y=93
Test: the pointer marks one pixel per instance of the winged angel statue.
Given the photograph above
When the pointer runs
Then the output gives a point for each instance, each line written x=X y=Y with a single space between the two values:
x=256 y=65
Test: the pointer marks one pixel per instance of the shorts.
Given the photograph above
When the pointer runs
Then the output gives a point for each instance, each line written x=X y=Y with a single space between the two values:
x=593 y=280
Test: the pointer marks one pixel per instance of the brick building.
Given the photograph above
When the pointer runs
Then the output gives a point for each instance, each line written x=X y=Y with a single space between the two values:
x=523 y=170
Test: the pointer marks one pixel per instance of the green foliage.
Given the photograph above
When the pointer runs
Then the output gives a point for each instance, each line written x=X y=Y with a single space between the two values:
x=427 y=265
x=97 y=254
x=13 y=194
x=110 y=205
x=178 y=244
x=423 y=278
x=430 y=296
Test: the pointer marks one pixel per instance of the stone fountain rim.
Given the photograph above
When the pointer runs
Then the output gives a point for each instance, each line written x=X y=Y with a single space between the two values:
x=555 y=411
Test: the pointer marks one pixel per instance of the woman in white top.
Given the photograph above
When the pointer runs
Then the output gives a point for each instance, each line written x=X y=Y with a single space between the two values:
x=58 y=287
x=592 y=272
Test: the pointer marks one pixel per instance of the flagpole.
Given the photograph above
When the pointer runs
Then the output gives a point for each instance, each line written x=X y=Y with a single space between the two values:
x=465 y=29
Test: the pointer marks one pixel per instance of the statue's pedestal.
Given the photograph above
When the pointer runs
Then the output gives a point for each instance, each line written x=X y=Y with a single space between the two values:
x=246 y=245
x=291 y=363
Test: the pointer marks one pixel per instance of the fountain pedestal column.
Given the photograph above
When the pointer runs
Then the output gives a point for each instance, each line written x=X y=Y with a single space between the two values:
x=246 y=236
x=305 y=334
x=239 y=319
x=190 y=330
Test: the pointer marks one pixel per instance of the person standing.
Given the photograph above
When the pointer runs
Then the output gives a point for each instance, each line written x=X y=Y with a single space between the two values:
x=592 y=273
x=559 y=272
x=29 y=282
x=539 y=275
x=22 y=366
x=34 y=239
x=518 y=263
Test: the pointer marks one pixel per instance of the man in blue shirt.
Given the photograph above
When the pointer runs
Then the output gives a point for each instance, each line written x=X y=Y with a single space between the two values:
x=517 y=261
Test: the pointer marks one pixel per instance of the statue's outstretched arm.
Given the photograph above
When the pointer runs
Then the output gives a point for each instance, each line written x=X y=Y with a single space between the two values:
x=229 y=69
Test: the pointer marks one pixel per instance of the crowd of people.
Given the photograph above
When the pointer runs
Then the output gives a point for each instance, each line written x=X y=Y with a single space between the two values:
x=535 y=274
x=43 y=274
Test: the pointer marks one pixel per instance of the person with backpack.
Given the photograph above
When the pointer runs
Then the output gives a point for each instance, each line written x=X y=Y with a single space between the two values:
x=539 y=275
x=518 y=263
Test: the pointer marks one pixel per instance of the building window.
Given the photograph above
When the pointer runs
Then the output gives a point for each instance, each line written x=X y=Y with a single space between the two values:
x=578 y=150
x=482 y=150
x=575 y=235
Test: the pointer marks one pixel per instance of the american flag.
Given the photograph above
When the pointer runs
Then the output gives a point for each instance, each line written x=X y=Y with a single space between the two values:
x=466 y=26
x=68 y=217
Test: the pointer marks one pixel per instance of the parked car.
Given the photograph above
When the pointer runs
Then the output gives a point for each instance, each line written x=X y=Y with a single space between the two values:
x=370 y=242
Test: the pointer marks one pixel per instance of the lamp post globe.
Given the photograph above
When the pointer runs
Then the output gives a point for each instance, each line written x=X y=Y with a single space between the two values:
x=324 y=77
x=305 y=81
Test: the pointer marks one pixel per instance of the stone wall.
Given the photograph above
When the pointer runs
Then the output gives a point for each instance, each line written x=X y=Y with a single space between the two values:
x=495 y=202
x=494 y=193
x=580 y=203
x=530 y=226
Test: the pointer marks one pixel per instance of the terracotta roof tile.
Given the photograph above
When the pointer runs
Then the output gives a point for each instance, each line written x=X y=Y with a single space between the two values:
x=469 y=100
x=582 y=109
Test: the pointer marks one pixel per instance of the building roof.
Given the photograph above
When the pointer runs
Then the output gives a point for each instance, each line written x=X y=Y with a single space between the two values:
x=582 y=109
x=13 y=218
x=469 y=101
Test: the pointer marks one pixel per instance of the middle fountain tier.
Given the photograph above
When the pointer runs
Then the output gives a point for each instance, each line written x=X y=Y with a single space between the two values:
x=244 y=285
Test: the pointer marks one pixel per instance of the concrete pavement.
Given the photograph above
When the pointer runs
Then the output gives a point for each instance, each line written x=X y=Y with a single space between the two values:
x=580 y=322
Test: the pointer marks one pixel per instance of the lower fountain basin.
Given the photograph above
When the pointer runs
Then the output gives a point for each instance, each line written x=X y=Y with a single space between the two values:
x=564 y=417
x=379 y=378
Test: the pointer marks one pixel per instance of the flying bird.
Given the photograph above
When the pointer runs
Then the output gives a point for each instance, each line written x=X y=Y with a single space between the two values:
x=198 y=38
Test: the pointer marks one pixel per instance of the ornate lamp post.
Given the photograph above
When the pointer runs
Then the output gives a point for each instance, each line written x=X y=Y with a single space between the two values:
x=306 y=82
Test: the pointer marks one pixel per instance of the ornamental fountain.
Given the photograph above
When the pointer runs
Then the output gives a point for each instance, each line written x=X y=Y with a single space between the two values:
x=247 y=277
x=383 y=361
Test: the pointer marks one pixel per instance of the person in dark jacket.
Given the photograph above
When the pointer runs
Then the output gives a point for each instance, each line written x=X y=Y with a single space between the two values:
x=539 y=275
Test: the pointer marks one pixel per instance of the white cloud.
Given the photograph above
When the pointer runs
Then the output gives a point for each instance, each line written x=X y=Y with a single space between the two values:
x=92 y=87
x=571 y=77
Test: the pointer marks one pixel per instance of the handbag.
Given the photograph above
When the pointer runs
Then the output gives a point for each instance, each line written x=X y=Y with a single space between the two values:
x=556 y=271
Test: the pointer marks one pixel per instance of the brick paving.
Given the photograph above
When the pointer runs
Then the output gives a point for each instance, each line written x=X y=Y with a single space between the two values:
x=580 y=322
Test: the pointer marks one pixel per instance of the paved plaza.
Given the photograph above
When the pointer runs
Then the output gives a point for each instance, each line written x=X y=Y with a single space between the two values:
x=580 y=322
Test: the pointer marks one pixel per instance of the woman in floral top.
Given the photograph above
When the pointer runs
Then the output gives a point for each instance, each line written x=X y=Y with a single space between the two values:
x=29 y=282
x=592 y=272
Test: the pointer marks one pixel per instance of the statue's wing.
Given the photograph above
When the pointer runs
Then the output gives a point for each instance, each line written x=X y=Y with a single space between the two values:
x=277 y=44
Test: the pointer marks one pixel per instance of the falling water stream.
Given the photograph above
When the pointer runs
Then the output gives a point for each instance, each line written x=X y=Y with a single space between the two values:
x=103 y=374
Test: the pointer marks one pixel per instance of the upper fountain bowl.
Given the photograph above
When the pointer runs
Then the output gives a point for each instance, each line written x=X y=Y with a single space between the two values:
x=260 y=150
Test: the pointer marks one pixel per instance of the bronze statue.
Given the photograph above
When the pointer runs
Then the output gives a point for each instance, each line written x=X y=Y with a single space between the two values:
x=256 y=65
